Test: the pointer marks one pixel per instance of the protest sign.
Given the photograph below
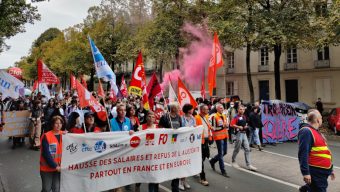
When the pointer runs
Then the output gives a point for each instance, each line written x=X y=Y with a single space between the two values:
x=280 y=122
x=9 y=85
x=102 y=161
x=16 y=123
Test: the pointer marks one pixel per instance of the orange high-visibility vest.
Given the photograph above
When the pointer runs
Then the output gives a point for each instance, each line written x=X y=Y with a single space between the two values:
x=200 y=122
x=219 y=122
x=319 y=156
x=55 y=149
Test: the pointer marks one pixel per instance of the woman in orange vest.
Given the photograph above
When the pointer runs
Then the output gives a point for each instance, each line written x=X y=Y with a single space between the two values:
x=203 y=119
x=50 y=156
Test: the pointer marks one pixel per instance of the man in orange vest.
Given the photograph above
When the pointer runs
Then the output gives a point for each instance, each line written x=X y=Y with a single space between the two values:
x=219 y=124
x=314 y=156
x=203 y=119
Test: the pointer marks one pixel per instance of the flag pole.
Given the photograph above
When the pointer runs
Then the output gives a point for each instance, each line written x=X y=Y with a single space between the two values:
x=84 y=119
x=166 y=110
x=107 y=113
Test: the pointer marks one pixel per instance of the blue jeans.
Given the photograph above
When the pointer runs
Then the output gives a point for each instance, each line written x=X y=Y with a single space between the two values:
x=254 y=136
x=222 y=146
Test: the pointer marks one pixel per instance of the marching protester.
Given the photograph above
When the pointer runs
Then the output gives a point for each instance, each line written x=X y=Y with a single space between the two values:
x=219 y=124
x=48 y=111
x=231 y=113
x=89 y=122
x=74 y=125
x=131 y=113
x=150 y=121
x=239 y=123
x=255 y=125
x=315 y=158
x=172 y=120
x=50 y=156
x=188 y=120
x=121 y=122
x=35 y=124
x=203 y=119
x=72 y=108
x=2 y=109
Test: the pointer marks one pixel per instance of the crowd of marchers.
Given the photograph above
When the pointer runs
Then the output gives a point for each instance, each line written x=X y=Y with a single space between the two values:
x=223 y=122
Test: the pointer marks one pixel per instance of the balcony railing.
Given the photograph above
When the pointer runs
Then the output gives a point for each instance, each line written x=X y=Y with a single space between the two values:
x=230 y=70
x=263 y=68
x=321 y=64
x=290 y=66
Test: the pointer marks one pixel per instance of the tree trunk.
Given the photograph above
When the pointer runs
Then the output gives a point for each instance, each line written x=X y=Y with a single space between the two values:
x=277 y=54
x=250 y=82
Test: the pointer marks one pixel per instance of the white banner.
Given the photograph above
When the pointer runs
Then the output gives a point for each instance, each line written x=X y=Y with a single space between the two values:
x=16 y=123
x=102 y=161
x=9 y=85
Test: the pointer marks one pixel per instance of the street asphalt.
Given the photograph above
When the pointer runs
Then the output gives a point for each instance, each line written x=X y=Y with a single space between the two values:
x=278 y=171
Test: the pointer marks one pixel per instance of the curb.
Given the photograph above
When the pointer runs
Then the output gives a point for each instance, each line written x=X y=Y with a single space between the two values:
x=333 y=138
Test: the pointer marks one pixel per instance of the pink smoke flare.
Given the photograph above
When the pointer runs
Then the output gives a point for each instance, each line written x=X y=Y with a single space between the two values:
x=170 y=76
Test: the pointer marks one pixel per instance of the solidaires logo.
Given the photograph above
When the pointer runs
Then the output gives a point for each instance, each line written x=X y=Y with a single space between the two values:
x=100 y=146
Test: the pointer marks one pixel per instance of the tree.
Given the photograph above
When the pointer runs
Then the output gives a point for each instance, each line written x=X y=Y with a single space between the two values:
x=14 y=14
x=285 y=24
x=235 y=22
x=48 y=35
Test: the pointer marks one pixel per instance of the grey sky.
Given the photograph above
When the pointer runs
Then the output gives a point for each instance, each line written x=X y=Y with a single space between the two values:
x=55 y=13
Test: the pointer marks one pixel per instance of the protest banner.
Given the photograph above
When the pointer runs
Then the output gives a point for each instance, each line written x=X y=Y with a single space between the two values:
x=280 y=122
x=16 y=123
x=102 y=161
x=9 y=85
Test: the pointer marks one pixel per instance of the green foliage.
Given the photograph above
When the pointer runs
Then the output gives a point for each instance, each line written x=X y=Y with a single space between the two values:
x=14 y=14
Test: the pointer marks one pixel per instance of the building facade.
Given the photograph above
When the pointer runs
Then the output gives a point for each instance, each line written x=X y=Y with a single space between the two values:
x=305 y=75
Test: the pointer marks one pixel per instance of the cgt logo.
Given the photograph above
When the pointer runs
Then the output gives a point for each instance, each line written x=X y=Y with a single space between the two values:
x=134 y=141
x=85 y=147
x=100 y=146
x=72 y=148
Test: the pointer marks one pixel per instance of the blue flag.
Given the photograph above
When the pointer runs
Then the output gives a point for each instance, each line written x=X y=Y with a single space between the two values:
x=102 y=68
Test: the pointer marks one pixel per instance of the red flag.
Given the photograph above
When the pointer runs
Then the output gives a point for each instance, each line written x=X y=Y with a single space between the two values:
x=216 y=62
x=203 y=87
x=123 y=87
x=100 y=90
x=138 y=82
x=35 y=85
x=153 y=89
x=73 y=81
x=86 y=99
x=184 y=96
x=45 y=75
x=83 y=81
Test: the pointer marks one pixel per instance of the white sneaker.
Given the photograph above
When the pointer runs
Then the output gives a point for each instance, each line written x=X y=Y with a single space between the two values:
x=186 y=185
x=181 y=186
x=235 y=165
x=252 y=168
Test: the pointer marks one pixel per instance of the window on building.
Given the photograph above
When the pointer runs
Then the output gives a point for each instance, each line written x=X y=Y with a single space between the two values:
x=323 y=89
x=323 y=54
x=230 y=60
x=230 y=88
x=264 y=56
x=292 y=55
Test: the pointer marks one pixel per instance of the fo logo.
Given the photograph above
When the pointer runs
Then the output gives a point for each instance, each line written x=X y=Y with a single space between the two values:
x=134 y=141
x=100 y=146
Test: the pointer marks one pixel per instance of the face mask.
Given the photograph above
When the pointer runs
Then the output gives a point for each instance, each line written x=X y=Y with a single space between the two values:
x=78 y=125
x=231 y=105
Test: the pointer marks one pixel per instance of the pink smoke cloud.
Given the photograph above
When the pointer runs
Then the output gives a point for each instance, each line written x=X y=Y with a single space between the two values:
x=170 y=76
x=194 y=58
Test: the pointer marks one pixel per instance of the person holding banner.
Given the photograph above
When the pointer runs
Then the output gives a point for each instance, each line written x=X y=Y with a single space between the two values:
x=188 y=120
x=2 y=109
x=219 y=124
x=240 y=126
x=50 y=156
x=121 y=123
x=203 y=119
x=35 y=125
x=315 y=158
x=172 y=120
x=131 y=113
x=74 y=124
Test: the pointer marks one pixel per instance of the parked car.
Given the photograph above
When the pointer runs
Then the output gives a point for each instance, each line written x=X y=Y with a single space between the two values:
x=334 y=120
